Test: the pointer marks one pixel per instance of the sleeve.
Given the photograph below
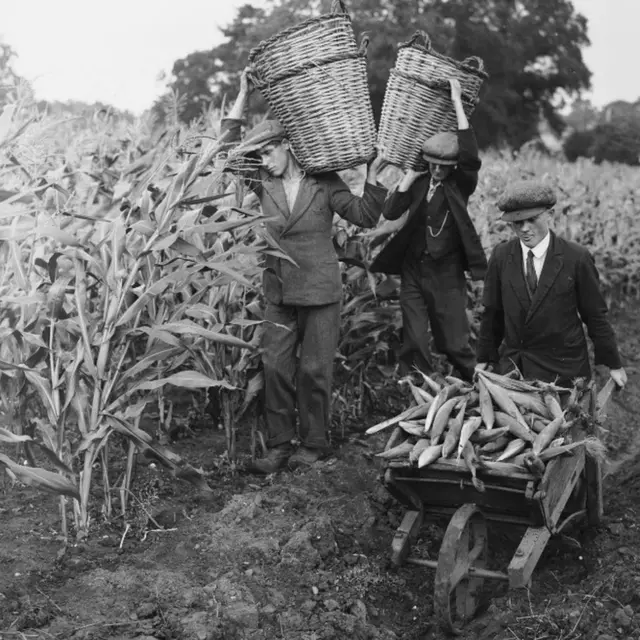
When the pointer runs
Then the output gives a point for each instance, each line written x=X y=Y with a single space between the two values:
x=593 y=312
x=469 y=162
x=492 y=321
x=231 y=136
x=396 y=204
x=362 y=211
x=230 y=131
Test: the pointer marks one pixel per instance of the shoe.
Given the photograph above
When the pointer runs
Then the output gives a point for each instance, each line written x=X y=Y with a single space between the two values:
x=304 y=457
x=275 y=460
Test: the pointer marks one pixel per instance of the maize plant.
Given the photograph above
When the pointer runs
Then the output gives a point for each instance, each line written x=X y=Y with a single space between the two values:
x=114 y=286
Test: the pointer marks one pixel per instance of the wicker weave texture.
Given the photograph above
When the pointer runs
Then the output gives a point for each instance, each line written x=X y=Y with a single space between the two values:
x=412 y=112
x=421 y=65
x=315 y=80
x=417 y=102
x=310 y=43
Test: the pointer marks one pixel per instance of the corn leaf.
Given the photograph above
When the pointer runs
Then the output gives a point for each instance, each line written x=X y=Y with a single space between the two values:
x=12 y=438
x=41 y=478
x=51 y=456
x=188 y=328
x=186 y=379
x=156 y=288
x=5 y=121
x=162 y=353
x=55 y=233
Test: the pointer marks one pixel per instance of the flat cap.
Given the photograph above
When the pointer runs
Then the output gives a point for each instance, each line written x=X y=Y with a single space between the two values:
x=263 y=133
x=526 y=199
x=441 y=148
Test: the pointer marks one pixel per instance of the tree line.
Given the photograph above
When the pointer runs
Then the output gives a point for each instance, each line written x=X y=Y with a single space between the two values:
x=532 y=50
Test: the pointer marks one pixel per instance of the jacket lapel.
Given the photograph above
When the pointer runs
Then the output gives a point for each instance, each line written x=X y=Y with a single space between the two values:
x=422 y=188
x=309 y=188
x=515 y=275
x=275 y=191
x=552 y=266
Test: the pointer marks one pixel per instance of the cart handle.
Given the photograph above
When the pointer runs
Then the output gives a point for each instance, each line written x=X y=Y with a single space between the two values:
x=604 y=395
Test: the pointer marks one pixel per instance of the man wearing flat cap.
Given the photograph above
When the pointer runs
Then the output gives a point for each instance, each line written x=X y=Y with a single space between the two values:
x=303 y=297
x=538 y=292
x=436 y=246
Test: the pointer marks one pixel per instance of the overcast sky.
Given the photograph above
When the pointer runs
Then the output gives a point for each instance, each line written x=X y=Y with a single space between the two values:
x=114 y=51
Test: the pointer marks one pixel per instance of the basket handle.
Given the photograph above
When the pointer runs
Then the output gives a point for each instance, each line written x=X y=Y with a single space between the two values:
x=479 y=63
x=338 y=4
x=364 y=43
x=426 y=40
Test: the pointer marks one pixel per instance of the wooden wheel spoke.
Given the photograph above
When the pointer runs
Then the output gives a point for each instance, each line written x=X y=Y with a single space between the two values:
x=457 y=575
x=480 y=545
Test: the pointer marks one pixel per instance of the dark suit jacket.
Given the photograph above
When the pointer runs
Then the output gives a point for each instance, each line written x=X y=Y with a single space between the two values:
x=457 y=188
x=544 y=335
x=305 y=233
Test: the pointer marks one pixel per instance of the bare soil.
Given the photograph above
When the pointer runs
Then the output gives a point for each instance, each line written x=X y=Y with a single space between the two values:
x=305 y=555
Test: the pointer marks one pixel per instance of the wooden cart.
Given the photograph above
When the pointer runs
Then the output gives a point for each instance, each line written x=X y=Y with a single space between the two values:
x=570 y=490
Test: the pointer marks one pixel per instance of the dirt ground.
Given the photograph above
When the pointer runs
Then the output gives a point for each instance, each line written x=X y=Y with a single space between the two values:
x=305 y=555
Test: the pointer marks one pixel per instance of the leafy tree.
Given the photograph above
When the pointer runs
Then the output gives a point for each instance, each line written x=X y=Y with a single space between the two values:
x=579 y=144
x=204 y=77
x=532 y=50
x=8 y=77
x=615 y=138
x=583 y=115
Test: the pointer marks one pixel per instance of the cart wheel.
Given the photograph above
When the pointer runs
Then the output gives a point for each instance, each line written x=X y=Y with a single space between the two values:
x=464 y=546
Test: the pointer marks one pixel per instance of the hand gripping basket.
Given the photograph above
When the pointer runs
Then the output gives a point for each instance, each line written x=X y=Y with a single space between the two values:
x=417 y=102
x=314 y=79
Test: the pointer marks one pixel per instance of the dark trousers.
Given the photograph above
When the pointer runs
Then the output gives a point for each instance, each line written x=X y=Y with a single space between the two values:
x=299 y=347
x=435 y=293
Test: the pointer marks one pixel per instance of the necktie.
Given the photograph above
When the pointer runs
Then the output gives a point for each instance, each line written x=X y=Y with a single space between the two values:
x=433 y=185
x=532 y=278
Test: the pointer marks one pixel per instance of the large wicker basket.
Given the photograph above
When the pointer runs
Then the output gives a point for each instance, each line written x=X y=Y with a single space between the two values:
x=417 y=102
x=314 y=78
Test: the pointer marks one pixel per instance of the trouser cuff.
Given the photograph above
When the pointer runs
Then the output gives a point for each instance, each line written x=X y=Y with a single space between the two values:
x=280 y=439
x=321 y=445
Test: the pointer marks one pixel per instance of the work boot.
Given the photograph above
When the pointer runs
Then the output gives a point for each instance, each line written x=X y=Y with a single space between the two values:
x=304 y=457
x=275 y=460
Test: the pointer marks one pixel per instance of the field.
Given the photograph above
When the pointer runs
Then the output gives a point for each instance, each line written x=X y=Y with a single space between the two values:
x=129 y=285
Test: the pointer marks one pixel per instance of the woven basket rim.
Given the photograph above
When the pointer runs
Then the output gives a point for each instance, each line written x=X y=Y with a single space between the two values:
x=294 y=71
x=432 y=85
x=436 y=54
x=256 y=51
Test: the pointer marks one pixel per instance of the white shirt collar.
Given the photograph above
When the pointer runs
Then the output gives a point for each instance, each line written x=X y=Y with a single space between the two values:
x=539 y=250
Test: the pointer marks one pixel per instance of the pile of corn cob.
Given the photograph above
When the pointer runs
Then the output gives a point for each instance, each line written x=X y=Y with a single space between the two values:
x=500 y=422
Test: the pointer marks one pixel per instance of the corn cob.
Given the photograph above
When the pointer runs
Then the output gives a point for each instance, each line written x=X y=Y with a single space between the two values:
x=524 y=433
x=453 y=435
x=429 y=455
x=506 y=404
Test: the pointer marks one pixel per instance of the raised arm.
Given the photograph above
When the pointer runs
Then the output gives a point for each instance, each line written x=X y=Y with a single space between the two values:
x=362 y=211
x=231 y=134
x=237 y=111
x=469 y=163
x=400 y=198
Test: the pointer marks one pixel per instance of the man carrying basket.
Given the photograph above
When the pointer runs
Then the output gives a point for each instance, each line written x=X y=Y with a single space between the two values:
x=302 y=299
x=435 y=247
